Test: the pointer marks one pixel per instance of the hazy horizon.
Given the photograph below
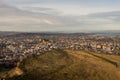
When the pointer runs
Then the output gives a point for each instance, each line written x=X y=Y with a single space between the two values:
x=59 y=15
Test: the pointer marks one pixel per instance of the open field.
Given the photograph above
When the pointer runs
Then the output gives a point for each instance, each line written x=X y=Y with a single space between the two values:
x=68 y=65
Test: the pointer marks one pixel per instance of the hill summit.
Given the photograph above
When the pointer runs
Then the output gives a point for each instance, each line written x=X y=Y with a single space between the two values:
x=68 y=65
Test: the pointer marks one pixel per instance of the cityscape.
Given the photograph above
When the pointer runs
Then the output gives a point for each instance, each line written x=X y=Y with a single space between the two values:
x=16 y=47
x=59 y=39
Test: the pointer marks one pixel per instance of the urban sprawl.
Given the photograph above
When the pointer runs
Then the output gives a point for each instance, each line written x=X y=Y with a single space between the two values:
x=14 y=48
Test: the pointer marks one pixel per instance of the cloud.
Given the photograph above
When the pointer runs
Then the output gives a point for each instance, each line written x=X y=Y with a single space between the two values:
x=49 y=19
x=13 y=17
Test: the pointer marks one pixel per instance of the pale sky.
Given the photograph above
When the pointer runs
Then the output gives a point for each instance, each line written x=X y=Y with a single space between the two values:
x=59 y=15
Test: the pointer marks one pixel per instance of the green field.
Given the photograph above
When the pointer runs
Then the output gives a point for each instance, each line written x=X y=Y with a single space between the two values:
x=67 y=65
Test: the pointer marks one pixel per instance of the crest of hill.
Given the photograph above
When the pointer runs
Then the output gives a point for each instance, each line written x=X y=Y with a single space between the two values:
x=66 y=65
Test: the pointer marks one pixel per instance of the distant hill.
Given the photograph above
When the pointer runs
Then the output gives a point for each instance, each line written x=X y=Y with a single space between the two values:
x=100 y=33
x=67 y=65
x=3 y=33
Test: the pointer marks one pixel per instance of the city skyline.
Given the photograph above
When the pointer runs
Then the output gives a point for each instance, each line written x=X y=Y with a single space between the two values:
x=59 y=15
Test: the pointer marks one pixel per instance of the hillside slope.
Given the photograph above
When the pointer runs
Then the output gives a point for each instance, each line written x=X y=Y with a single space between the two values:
x=69 y=65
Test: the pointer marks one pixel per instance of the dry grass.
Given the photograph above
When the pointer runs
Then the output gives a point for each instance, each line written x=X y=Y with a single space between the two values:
x=70 y=65
x=103 y=61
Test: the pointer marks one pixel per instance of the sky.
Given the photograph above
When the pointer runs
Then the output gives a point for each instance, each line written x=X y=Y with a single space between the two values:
x=59 y=15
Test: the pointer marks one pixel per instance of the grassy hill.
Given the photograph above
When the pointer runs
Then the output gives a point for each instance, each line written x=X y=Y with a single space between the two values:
x=69 y=65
